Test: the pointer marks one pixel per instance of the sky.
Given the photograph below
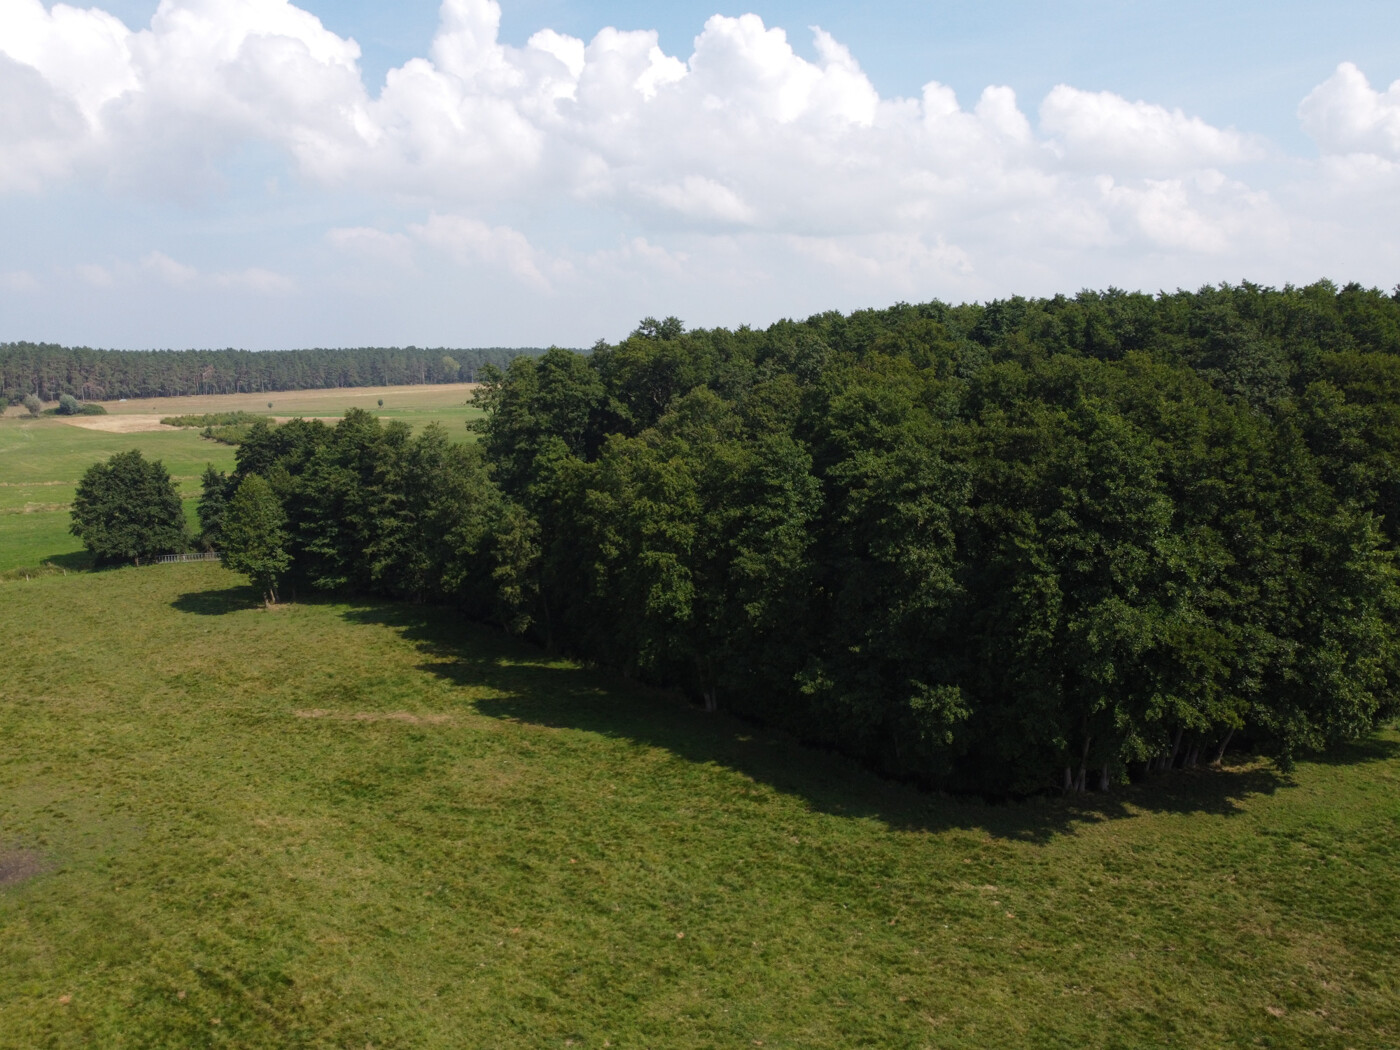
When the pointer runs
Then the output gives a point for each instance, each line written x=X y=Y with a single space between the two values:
x=262 y=174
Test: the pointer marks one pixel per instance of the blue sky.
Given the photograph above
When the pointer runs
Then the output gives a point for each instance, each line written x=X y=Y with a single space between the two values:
x=234 y=172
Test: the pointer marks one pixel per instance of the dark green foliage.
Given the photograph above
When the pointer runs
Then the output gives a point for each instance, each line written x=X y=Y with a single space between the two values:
x=253 y=537
x=49 y=370
x=128 y=509
x=215 y=490
x=234 y=435
x=68 y=405
x=370 y=507
x=1002 y=547
x=213 y=419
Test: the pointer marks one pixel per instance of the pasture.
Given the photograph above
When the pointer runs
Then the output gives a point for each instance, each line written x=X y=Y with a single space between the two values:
x=348 y=824
x=41 y=460
x=444 y=403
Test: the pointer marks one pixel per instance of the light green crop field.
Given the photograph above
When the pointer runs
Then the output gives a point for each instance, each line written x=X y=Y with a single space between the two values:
x=371 y=825
x=41 y=460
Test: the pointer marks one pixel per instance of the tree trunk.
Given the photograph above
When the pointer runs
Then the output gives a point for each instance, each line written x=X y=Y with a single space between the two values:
x=1083 y=766
x=548 y=626
x=1103 y=779
x=1069 y=780
x=1220 y=755
x=711 y=701
x=1176 y=747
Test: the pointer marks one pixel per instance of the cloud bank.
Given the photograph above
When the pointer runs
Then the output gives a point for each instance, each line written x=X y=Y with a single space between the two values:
x=590 y=174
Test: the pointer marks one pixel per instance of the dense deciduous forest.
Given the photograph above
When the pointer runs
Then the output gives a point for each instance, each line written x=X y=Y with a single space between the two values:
x=49 y=370
x=1001 y=547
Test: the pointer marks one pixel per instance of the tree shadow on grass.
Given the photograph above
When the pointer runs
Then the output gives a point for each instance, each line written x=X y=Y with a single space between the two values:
x=218 y=603
x=74 y=561
x=535 y=689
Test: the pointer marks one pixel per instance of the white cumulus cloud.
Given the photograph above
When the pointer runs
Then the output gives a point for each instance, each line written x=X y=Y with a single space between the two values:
x=1344 y=114
x=1104 y=130
x=585 y=167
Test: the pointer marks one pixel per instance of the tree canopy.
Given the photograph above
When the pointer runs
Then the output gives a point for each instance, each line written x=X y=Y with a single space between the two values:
x=128 y=509
x=252 y=536
x=999 y=547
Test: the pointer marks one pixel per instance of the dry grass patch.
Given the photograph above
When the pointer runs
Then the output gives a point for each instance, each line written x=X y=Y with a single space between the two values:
x=19 y=865
x=35 y=508
x=332 y=401
x=123 y=424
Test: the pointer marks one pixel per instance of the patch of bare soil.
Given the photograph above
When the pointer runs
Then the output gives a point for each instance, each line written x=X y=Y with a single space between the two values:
x=132 y=424
x=17 y=865
x=406 y=717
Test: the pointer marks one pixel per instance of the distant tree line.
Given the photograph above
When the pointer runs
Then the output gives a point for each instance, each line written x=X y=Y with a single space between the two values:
x=48 y=370
x=997 y=547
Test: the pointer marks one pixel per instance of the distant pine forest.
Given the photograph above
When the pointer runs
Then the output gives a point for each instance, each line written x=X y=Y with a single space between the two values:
x=48 y=370
x=1002 y=547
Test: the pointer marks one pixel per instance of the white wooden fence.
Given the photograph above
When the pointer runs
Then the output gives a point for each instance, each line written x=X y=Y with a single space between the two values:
x=166 y=559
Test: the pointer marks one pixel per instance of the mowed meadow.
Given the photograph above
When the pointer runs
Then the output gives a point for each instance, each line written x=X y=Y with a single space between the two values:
x=345 y=824
x=41 y=460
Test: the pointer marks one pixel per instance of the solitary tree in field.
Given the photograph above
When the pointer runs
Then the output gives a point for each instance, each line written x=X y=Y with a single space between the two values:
x=68 y=405
x=128 y=509
x=254 y=536
x=33 y=404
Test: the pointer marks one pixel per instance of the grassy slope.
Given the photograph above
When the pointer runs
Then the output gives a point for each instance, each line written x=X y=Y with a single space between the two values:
x=517 y=866
x=42 y=460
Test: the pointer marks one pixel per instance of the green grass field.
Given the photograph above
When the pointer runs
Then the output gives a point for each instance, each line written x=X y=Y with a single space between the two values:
x=41 y=460
x=370 y=825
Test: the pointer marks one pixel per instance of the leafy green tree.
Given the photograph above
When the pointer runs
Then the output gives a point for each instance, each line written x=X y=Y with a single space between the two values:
x=254 y=536
x=434 y=510
x=348 y=498
x=535 y=403
x=128 y=509
x=68 y=405
x=32 y=404
x=215 y=490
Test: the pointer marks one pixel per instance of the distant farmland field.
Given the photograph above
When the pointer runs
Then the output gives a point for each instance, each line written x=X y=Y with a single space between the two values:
x=348 y=824
x=447 y=398
x=42 y=459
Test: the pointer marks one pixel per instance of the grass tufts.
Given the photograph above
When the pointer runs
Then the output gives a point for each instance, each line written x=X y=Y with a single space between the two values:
x=350 y=823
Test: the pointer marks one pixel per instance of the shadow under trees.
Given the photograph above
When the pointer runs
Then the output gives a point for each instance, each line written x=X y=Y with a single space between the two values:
x=220 y=602
x=534 y=688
